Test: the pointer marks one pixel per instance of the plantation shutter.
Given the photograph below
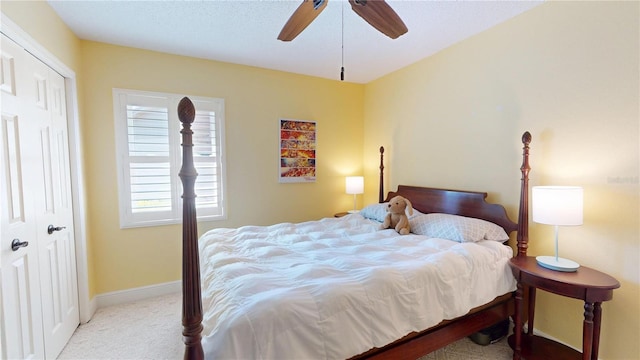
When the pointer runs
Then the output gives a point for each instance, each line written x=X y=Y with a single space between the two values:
x=149 y=157
x=149 y=170
x=205 y=158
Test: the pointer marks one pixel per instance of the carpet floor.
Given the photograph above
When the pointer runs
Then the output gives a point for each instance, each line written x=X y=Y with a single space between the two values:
x=152 y=329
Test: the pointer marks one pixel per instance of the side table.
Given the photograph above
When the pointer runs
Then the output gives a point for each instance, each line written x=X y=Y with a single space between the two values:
x=586 y=284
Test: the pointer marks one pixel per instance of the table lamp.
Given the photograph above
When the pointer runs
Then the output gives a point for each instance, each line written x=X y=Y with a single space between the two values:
x=355 y=186
x=558 y=206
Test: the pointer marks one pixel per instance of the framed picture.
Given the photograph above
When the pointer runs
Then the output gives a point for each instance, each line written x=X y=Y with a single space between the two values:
x=297 y=151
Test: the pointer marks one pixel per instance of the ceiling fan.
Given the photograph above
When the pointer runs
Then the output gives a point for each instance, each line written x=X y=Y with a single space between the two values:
x=376 y=12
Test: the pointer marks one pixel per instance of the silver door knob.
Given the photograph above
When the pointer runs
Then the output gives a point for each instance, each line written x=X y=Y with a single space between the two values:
x=17 y=244
x=52 y=228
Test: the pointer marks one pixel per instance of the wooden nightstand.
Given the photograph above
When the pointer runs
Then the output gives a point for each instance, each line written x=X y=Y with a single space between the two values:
x=587 y=284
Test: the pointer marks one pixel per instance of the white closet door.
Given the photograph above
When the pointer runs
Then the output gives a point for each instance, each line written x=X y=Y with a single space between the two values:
x=54 y=212
x=21 y=308
x=45 y=174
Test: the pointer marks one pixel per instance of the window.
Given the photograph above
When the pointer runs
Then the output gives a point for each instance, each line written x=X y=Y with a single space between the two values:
x=149 y=157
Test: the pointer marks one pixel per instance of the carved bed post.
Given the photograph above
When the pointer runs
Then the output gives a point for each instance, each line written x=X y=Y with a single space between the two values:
x=523 y=213
x=191 y=296
x=381 y=183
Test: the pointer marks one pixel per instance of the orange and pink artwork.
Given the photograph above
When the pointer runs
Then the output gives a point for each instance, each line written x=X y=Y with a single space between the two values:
x=297 y=151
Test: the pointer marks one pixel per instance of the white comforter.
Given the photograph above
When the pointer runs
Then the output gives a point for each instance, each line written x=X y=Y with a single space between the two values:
x=334 y=288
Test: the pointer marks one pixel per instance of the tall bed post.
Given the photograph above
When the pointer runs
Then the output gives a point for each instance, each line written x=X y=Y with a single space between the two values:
x=523 y=211
x=381 y=182
x=191 y=295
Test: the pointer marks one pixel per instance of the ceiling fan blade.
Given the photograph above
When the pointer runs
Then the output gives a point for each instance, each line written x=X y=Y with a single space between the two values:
x=301 y=18
x=381 y=16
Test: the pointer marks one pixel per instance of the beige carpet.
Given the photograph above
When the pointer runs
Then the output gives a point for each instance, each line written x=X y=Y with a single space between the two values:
x=148 y=329
x=152 y=329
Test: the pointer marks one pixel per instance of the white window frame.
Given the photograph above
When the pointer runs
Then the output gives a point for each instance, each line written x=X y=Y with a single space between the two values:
x=130 y=218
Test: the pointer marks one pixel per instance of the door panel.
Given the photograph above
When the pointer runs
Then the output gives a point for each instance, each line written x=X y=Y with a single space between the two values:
x=53 y=208
x=21 y=306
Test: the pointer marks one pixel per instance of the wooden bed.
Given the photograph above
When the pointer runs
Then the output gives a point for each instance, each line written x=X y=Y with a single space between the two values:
x=426 y=200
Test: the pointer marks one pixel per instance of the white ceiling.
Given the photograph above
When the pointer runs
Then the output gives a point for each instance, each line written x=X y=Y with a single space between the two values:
x=245 y=32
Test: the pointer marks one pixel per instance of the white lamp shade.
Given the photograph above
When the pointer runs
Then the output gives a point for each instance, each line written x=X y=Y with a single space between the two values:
x=557 y=205
x=355 y=185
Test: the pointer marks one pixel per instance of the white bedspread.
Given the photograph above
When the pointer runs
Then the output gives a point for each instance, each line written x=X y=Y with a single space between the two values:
x=337 y=287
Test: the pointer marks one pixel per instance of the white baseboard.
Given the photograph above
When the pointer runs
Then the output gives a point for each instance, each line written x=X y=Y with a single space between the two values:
x=87 y=313
x=135 y=294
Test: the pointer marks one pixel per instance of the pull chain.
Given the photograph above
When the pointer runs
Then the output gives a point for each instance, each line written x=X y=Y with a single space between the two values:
x=342 y=67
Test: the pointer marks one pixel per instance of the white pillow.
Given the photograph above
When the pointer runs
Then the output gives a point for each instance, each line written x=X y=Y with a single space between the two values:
x=457 y=228
x=378 y=212
x=375 y=212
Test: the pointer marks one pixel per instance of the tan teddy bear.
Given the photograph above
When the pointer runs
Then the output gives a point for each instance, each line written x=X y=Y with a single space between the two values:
x=399 y=209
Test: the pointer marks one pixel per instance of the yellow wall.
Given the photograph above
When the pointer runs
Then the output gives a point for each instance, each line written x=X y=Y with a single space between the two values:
x=255 y=100
x=568 y=73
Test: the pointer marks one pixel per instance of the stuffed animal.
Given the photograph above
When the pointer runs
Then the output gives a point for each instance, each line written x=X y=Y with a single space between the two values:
x=399 y=209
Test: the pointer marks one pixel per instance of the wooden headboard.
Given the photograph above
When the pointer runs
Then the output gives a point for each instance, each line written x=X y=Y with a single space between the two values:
x=456 y=202
x=470 y=203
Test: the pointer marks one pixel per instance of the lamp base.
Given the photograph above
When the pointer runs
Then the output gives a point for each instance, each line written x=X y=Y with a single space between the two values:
x=557 y=264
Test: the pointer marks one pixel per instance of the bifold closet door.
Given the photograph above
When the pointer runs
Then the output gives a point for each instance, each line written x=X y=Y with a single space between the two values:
x=38 y=175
